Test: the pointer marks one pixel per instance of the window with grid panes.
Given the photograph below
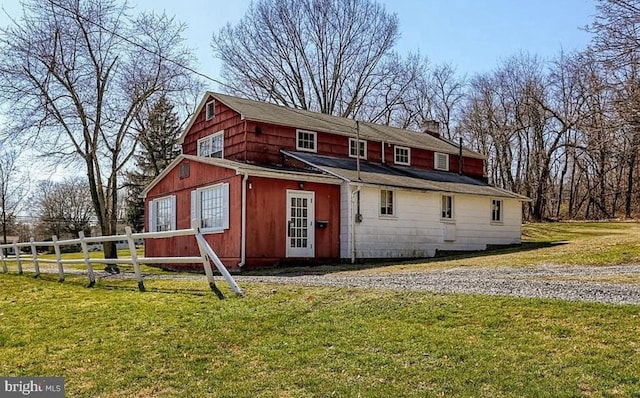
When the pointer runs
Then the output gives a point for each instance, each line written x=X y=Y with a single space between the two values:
x=447 y=207
x=212 y=146
x=164 y=214
x=386 y=203
x=306 y=141
x=211 y=207
x=353 y=148
x=402 y=155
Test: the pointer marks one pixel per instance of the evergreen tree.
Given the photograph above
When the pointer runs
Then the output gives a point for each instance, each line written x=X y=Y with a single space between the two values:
x=158 y=146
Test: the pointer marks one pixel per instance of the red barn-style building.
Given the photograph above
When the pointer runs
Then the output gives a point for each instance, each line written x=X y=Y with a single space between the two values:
x=270 y=184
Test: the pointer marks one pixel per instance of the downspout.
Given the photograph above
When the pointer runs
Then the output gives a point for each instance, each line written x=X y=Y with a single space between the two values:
x=460 y=164
x=354 y=221
x=243 y=233
x=358 y=149
x=382 y=151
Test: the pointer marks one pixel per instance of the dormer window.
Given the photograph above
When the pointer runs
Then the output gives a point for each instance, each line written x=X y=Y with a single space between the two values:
x=441 y=161
x=210 y=110
x=306 y=141
x=357 y=148
x=402 y=155
x=212 y=146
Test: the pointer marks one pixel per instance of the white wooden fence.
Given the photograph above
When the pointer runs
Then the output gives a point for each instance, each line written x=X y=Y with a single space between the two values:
x=207 y=255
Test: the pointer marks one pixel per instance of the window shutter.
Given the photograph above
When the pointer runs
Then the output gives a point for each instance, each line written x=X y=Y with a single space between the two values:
x=173 y=212
x=152 y=216
x=225 y=206
x=194 y=210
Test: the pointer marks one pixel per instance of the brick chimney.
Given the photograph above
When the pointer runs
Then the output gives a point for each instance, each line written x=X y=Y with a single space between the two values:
x=431 y=127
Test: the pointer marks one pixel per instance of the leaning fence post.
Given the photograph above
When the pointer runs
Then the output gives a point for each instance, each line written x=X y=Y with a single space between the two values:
x=16 y=251
x=56 y=250
x=34 y=255
x=204 y=247
x=208 y=271
x=134 y=258
x=4 y=261
x=85 y=252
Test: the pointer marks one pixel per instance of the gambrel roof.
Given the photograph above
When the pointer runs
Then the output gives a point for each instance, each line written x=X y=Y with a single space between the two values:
x=298 y=118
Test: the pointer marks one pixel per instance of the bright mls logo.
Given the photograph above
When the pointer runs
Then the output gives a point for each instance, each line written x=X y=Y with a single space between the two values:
x=42 y=387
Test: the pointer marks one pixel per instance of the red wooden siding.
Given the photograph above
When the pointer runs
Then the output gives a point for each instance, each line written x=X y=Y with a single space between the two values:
x=266 y=217
x=267 y=220
x=225 y=119
x=227 y=244
x=261 y=143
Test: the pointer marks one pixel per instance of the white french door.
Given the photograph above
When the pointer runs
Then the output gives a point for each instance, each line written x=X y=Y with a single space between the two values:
x=300 y=219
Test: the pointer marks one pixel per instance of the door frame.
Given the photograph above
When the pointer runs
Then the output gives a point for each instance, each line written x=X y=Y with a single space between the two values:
x=311 y=236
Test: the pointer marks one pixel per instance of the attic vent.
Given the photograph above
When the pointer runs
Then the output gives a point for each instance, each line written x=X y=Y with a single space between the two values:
x=184 y=170
x=441 y=161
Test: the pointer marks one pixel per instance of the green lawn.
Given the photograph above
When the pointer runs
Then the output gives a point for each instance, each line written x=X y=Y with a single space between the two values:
x=285 y=341
x=178 y=340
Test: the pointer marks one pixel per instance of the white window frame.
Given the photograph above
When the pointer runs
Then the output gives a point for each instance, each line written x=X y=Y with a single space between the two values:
x=210 y=110
x=209 y=141
x=315 y=141
x=197 y=208
x=447 y=205
x=395 y=155
x=499 y=212
x=385 y=205
x=155 y=205
x=353 y=143
x=436 y=164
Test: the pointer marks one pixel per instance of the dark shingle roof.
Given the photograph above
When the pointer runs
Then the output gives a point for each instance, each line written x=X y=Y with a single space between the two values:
x=404 y=177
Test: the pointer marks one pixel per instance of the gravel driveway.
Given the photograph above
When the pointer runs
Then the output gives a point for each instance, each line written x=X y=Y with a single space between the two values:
x=538 y=282
x=555 y=282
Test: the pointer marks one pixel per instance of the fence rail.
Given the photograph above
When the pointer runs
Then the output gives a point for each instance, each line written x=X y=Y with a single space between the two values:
x=207 y=255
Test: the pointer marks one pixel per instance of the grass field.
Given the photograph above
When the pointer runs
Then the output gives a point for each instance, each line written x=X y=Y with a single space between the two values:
x=178 y=340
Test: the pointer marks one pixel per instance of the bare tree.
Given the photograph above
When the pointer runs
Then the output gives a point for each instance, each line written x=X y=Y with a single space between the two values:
x=616 y=39
x=14 y=186
x=330 y=56
x=449 y=94
x=76 y=79
x=64 y=207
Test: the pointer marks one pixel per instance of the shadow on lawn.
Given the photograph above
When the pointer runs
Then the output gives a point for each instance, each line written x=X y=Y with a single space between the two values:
x=297 y=268
x=127 y=284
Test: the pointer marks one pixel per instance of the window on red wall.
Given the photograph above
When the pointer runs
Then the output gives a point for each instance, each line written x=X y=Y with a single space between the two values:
x=162 y=214
x=212 y=146
x=357 y=148
x=402 y=155
x=306 y=141
x=210 y=109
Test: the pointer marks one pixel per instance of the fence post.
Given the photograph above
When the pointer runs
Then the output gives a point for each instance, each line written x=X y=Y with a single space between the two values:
x=85 y=252
x=17 y=253
x=208 y=271
x=134 y=258
x=4 y=261
x=34 y=255
x=204 y=247
x=56 y=249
